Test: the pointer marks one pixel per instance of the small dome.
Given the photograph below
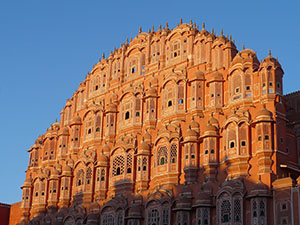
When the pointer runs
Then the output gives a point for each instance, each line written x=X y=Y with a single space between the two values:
x=218 y=76
x=102 y=160
x=259 y=189
x=147 y=137
x=135 y=211
x=106 y=149
x=67 y=170
x=63 y=131
x=77 y=120
x=144 y=146
x=194 y=125
x=111 y=107
x=264 y=114
x=27 y=182
x=213 y=121
x=198 y=75
x=191 y=133
x=210 y=130
x=151 y=91
x=153 y=81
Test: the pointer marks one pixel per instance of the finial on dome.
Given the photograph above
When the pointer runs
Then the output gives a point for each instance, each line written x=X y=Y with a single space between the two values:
x=180 y=21
x=191 y=22
x=149 y=31
x=153 y=28
x=230 y=37
x=195 y=25
x=159 y=27
x=203 y=26
x=270 y=52
x=222 y=32
x=131 y=39
x=167 y=25
x=126 y=40
x=212 y=31
x=103 y=55
x=140 y=30
x=243 y=46
x=56 y=120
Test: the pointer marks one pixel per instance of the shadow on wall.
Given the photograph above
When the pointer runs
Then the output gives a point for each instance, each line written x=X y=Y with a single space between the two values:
x=211 y=202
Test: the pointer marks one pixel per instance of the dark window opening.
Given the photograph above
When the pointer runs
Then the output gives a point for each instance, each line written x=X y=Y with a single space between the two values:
x=264 y=84
x=271 y=84
x=259 y=138
x=232 y=144
x=212 y=95
x=180 y=101
x=96 y=88
x=173 y=160
x=169 y=103
x=212 y=151
x=139 y=168
x=193 y=156
x=118 y=171
x=237 y=90
x=102 y=178
x=127 y=115
x=89 y=131
x=133 y=70
x=175 y=54
x=54 y=191
x=144 y=168
x=66 y=188
x=128 y=170
x=98 y=129
x=187 y=156
x=267 y=137
x=243 y=143
x=88 y=181
x=36 y=194
x=162 y=161
x=43 y=193
x=248 y=88
x=206 y=152
x=152 y=110
x=76 y=139
x=98 y=178
x=137 y=114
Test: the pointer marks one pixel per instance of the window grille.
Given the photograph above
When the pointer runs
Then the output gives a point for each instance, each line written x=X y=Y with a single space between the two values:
x=225 y=211
x=237 y=210
x=118 y=165
x=108 y=219
x=80 y=177
x=173 y=153
x=162 y=155
x=165 y=218
x=153 y=217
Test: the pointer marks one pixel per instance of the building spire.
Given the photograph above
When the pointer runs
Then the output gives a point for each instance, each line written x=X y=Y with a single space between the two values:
x=140 y=30
x=243 y=46
x=270 y=52
x=203 y=26
x=180 y=21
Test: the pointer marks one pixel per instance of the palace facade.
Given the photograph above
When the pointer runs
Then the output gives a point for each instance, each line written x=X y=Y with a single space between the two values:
x=175 y=127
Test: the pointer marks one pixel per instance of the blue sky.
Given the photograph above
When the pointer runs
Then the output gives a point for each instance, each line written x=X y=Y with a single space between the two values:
x=47 y=48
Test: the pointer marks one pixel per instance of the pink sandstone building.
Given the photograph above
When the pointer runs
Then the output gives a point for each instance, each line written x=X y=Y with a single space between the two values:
x=175 y=127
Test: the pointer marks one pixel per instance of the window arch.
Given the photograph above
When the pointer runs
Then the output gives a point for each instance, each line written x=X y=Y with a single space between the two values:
x=88 y=175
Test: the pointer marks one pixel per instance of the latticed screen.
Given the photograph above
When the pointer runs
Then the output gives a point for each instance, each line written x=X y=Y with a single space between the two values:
x=80 y=176
x=153 y=217
x=173 y=153
x=108 y=220
x=237 y=210
x=118 y=166
x=162 y=157
x=129 y=163
x=165 y=218
x=225 y=211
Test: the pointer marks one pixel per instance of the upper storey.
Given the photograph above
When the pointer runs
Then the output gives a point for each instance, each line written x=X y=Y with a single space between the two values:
x=156 y=59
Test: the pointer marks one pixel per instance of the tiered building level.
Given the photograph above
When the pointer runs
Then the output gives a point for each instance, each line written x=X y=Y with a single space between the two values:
x=175 y=127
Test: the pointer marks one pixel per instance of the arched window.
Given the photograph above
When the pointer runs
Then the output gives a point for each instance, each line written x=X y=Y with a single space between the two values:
x=173 y=154
x=118 y=165
x=107 y=219
x=88 y=175
x=162 y=155
x=102 y=175
x=153 y=217
x=127 y=115
x=175 y=49
x=225 y=211
x=80 y=177
x=129 y=163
